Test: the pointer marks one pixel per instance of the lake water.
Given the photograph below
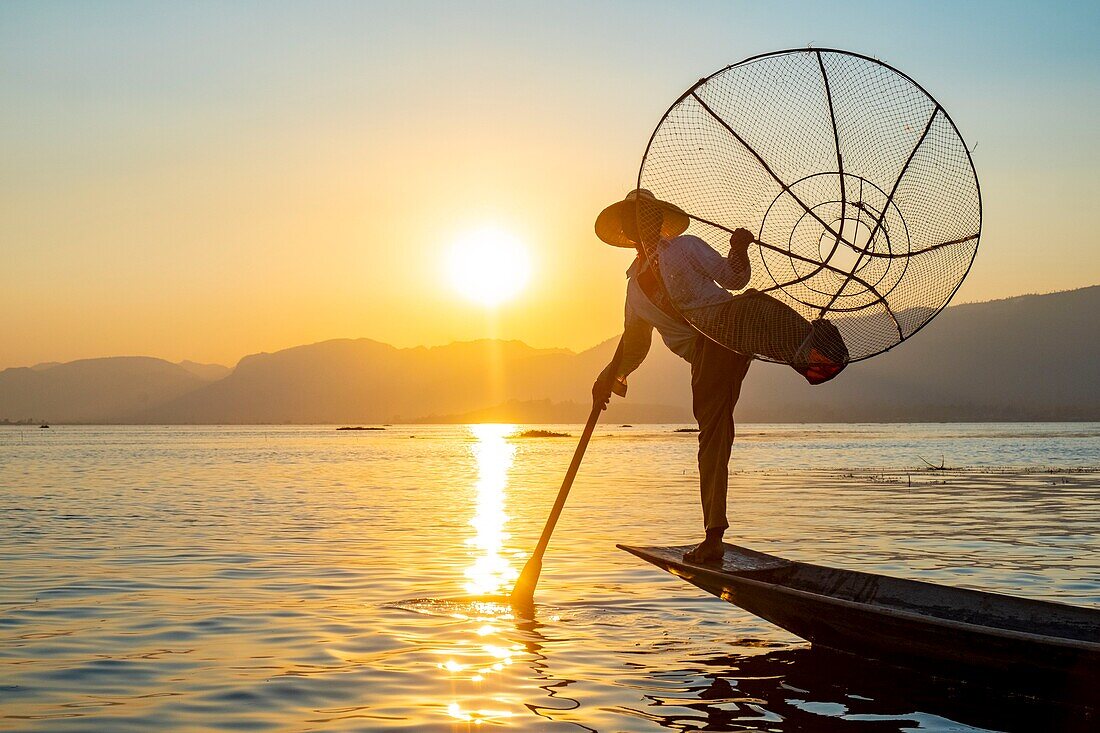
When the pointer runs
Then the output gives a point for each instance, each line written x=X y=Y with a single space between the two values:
x=288 y=578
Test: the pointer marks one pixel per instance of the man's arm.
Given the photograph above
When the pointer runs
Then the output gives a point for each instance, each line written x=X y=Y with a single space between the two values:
x=732 y=271
x=633 y=347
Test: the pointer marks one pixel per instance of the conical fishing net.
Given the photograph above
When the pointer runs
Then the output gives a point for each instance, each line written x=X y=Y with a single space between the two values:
x=856 y=185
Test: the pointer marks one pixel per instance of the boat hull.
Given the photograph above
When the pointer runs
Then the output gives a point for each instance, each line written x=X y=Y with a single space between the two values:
x=881 y=617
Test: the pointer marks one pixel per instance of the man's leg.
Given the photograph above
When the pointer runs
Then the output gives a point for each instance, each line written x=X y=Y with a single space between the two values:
x=758 y=323
x=716 y=376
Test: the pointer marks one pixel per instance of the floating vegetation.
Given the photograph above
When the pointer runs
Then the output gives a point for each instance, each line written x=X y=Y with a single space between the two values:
x=686 y=430
x=358 y=427
x=541 y=434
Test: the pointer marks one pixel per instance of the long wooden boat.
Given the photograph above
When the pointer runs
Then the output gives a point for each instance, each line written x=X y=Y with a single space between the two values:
x=1047 y=648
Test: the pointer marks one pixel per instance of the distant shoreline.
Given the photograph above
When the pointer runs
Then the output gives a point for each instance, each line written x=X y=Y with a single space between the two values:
x=52 y=423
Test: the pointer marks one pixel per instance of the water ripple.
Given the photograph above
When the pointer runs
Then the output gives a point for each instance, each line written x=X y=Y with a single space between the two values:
x=252 y=578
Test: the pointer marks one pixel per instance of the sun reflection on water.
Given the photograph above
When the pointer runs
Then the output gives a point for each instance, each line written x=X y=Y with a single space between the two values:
x=477 y=664
x=491 y=571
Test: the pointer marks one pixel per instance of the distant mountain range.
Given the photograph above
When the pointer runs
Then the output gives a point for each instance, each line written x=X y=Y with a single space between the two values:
x=98 y=390
x=1034 y=357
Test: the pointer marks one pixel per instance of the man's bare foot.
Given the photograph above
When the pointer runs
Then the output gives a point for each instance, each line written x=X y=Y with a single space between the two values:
x=707 y=552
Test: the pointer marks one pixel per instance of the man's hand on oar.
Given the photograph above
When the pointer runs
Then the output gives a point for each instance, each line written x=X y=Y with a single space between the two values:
x=601 y=391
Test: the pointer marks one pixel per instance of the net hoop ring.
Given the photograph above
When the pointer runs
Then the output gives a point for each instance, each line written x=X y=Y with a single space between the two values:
x=938 y=110
x=824 y=234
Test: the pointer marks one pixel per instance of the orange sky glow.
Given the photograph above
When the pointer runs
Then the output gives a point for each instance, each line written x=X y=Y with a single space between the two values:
x=205 y=182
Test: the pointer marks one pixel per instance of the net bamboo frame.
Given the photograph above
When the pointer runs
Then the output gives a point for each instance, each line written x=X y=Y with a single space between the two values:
x=856 y=184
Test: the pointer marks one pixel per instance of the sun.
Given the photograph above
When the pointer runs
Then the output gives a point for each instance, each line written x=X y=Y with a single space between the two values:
x=488 y=266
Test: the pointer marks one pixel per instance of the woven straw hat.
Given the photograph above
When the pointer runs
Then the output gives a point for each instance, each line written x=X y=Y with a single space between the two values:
x=609 y=224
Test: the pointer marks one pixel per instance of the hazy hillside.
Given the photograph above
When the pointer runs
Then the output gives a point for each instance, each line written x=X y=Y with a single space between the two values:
x=92 y=390
x=1025 y=358
x=349 y=380
x=206 y=372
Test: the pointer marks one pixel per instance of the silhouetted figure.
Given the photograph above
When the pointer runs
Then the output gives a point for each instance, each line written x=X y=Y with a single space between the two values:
x=684 y=274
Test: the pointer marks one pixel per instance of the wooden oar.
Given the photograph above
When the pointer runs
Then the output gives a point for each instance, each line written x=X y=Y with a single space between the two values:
x=523 y=594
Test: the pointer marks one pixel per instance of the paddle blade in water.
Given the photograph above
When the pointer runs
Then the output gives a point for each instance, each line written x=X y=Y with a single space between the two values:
x=523 y=594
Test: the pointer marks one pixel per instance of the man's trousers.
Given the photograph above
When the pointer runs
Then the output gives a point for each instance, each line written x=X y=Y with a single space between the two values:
x=716 y=376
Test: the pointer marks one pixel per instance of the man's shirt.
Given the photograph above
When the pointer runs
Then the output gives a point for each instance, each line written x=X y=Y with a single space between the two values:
x=695 y=276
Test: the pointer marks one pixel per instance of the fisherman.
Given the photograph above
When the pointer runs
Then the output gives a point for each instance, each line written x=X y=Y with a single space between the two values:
x=684 y=274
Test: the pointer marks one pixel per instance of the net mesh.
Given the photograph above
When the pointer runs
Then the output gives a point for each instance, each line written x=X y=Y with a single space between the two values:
x=855 y=185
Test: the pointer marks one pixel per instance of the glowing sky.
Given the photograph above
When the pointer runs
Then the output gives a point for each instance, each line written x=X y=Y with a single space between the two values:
x=207 y=180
